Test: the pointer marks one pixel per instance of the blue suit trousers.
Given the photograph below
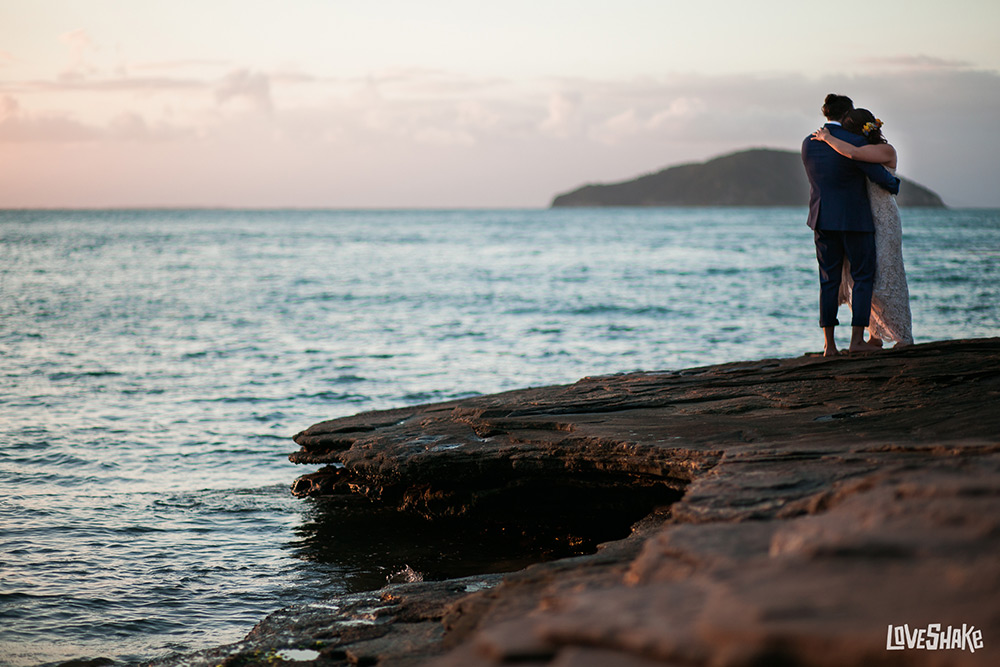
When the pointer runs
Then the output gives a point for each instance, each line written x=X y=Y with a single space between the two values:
x=832 y=247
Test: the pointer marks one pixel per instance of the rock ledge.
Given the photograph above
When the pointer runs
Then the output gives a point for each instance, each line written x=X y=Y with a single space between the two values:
x=786 y=512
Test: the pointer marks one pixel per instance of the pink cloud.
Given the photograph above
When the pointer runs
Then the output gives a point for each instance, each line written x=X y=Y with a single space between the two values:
x=81 y=46
x=9 y=107
x=70 y=83
x=252 y=87
x=18 y=128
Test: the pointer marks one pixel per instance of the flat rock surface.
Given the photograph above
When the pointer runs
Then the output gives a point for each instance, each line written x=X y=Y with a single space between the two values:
x=786 y=512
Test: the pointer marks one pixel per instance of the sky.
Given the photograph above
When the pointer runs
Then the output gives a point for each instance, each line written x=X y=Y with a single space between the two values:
x=450 y=103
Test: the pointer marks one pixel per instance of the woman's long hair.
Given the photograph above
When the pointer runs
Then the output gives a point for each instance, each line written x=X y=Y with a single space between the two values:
x=864 y=122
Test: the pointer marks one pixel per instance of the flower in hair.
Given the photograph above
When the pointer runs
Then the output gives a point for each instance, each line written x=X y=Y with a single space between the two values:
x=871 y=126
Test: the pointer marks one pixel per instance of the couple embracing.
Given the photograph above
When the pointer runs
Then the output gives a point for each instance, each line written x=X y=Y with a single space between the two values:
x=857 y=227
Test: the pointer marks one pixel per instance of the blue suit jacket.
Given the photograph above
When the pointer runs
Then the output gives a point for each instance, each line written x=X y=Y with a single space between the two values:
x=838 y=194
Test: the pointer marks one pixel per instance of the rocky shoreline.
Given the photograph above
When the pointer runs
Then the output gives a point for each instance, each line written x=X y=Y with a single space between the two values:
x=777 y=512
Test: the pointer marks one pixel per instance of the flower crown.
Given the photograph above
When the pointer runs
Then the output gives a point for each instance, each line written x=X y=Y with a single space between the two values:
x=871 y=127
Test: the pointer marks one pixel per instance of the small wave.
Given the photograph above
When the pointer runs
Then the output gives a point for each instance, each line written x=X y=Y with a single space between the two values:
x=74 y=375
x=612 y=309
x=15 y=336
x=377 y=355
x=43 y=479
x=240 y=399
x=55 y=459
x=422 y=396
x=334 y=396
x=269 y=417
x=140 y=530
x=463 y=334
x=123 y=628
x=346 y=379
x=323 y=297
x=724 y=271
x=953 y=279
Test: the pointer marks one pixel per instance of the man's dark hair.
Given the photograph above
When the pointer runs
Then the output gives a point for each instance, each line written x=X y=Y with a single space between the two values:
x=835 y=106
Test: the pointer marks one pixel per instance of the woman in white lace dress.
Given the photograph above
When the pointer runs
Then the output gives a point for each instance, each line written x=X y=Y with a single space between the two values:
x=890 y=319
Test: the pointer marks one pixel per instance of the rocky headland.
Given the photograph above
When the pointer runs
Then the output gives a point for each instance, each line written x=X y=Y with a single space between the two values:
x=775 y=512
x=755 y=177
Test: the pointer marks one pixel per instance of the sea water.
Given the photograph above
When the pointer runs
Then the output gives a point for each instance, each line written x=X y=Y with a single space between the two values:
x=154 y=365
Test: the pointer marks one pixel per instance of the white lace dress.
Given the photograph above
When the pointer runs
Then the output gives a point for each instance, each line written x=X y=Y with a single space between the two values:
x=890 y=318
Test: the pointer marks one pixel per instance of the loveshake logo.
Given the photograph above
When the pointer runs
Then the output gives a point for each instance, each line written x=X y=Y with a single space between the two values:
x=934 y=638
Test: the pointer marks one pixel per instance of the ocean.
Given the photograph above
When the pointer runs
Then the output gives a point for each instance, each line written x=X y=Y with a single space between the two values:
x=154 y=365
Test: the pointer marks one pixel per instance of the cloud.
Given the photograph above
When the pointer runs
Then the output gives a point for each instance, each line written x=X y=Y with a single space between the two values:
x=679 y=110
x=81 y=47
x=247 y=86
x=79 y=41
x=133 y=127
x=919 y=62
x=534 y=137
x=565 y=115
x=478 y=116
x=6 y=58
x=443 y=137
x=105 y=85
x=9 y=107
x=50 y=128
x=618 y=128
x=22 y=127
x=188 y=63
x=165 y=68
x=663 y=119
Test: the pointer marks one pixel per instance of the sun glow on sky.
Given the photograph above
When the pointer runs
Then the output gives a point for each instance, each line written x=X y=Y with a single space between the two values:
x=447 y=103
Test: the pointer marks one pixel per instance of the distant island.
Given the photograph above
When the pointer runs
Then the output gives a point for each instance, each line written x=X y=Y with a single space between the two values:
x=756 y=177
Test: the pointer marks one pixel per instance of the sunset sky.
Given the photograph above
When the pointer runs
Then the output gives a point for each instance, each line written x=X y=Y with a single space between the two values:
x=427 y=103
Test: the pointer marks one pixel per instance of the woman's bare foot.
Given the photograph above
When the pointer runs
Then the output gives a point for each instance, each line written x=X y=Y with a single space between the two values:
x=863 y=347
x=874 y=340
x=858 y=343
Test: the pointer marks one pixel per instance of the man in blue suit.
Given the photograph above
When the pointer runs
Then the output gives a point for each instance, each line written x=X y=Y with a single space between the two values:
x=841 y=218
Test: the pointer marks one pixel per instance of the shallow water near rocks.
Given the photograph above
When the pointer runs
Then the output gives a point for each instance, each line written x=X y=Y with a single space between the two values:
x=154 y=365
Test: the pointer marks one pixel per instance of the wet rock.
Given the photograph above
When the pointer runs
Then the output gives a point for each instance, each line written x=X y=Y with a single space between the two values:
x=401 y=623
x=87 y=662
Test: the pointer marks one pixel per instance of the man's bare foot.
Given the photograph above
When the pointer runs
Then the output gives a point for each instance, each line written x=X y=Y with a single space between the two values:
x=829 y=342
